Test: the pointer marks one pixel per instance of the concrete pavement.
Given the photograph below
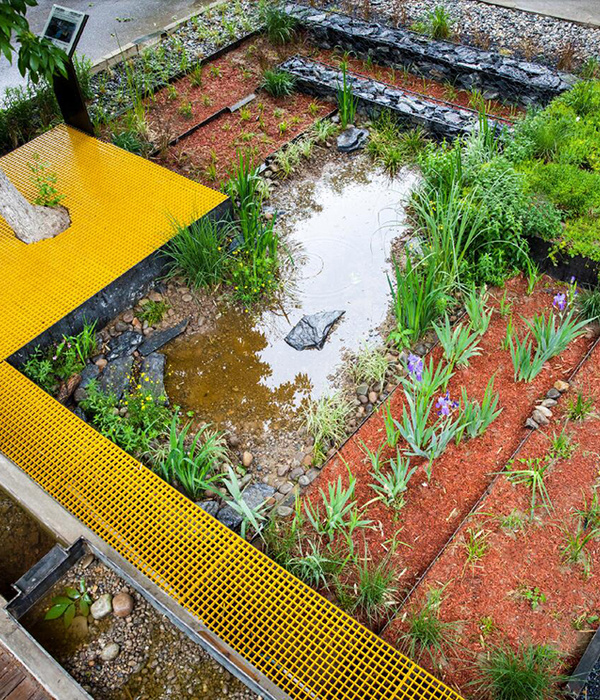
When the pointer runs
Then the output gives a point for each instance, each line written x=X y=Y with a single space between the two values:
x=585 y=11
x=112 y=23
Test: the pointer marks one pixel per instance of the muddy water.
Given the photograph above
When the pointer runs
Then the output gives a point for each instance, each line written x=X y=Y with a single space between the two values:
x=22 y=543
x=338 y=229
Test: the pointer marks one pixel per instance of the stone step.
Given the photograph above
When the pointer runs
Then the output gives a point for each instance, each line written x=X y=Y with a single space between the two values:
x=440 y=119
x=497 y=76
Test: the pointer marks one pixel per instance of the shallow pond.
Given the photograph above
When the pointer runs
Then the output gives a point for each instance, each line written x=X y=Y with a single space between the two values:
x=338 y=229
x=23 y=542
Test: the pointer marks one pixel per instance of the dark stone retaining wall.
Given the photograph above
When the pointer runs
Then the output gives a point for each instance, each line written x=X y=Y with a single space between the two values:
x=497 y=76
x=443 y=121
x=110 y=301
x=562 y=266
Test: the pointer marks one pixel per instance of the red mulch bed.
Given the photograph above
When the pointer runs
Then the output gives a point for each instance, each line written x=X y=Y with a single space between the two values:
x=409 y=81
x=260 y=134
x=224 y=82
x=434 y=510
x=529 y=559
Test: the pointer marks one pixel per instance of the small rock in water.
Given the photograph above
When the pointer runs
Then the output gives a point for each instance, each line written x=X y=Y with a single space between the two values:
x=79 y=627
x=352 y=139
x=110 y=652
x=312 y=331
x=561 y=386
x=122 y=604
x=102 y=607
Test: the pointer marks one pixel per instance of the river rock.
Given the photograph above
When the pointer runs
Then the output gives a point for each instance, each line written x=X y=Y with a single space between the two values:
x=157 y=340
x=79 y=627
x=561 y=386
x=209 y=506
x=540 y=418
x=312 y=331
x=102 y=607
x=122 y=604
x=553 y=394
x=247 y=459
x=530 y=423
x=124 y=344
x=110 y=652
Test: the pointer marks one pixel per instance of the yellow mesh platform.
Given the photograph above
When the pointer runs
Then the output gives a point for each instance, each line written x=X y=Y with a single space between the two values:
x=299 y=640
x=122 y=207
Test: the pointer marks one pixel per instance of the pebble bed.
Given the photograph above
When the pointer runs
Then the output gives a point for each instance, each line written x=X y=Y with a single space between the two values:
x=529 y=35
x=592 y=691
x=153 y=658
x=116 y=89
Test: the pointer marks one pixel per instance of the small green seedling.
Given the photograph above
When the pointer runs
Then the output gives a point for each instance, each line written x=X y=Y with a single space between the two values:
x=73 y=600
x=533 y=595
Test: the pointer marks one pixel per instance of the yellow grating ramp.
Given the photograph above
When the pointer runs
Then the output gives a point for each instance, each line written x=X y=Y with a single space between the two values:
x=290 y=633
x=122 y=207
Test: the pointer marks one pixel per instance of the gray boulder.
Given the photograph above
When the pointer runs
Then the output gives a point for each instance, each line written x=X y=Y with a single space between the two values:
x=153 y=375
x=312 y=331
x=116 y=376
x=124 y=344
x=352 y=139
x=88 y=373
x=159 y=338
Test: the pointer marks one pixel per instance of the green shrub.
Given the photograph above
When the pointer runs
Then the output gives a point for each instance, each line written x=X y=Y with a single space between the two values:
x=48 y=368
x=278 y=83
x=145 y=418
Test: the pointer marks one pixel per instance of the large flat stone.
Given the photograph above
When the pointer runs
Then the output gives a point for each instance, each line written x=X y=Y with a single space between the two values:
x=159 y=338
x=124 y=344
x=116 y=376
x=312 y=331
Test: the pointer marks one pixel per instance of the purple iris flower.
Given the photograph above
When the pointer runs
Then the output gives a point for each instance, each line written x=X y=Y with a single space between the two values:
x=415 y=367
x=560 y=301
x=445 y=405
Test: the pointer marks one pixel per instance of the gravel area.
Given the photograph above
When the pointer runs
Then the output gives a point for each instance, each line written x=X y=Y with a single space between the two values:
x=592 y=691
x=154 y=660
x=522 y=33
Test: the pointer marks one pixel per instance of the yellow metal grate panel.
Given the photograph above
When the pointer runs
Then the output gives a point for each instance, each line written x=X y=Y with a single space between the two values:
x=299 y=640
x=122 y=207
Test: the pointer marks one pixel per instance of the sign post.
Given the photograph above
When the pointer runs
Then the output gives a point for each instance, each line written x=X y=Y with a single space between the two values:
x=64 y=28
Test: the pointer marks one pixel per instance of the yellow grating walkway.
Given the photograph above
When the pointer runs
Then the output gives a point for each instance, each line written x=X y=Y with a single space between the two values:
x=121 y=210
x=299 y=640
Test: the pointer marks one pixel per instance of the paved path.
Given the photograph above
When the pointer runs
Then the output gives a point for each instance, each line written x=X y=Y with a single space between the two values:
x=587 y=11
x=111 y=23
x=15 y=681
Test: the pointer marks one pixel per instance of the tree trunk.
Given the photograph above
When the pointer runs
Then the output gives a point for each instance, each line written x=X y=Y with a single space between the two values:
x=30 y=222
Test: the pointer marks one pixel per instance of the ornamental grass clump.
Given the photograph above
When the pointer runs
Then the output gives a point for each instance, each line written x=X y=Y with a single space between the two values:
x=527 y=673
x=326 y=420
x=193 y=464
x=347 y=103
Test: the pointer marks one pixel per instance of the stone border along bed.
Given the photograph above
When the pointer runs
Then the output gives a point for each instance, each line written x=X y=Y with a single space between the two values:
x=523 y=82
x=441 y=119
